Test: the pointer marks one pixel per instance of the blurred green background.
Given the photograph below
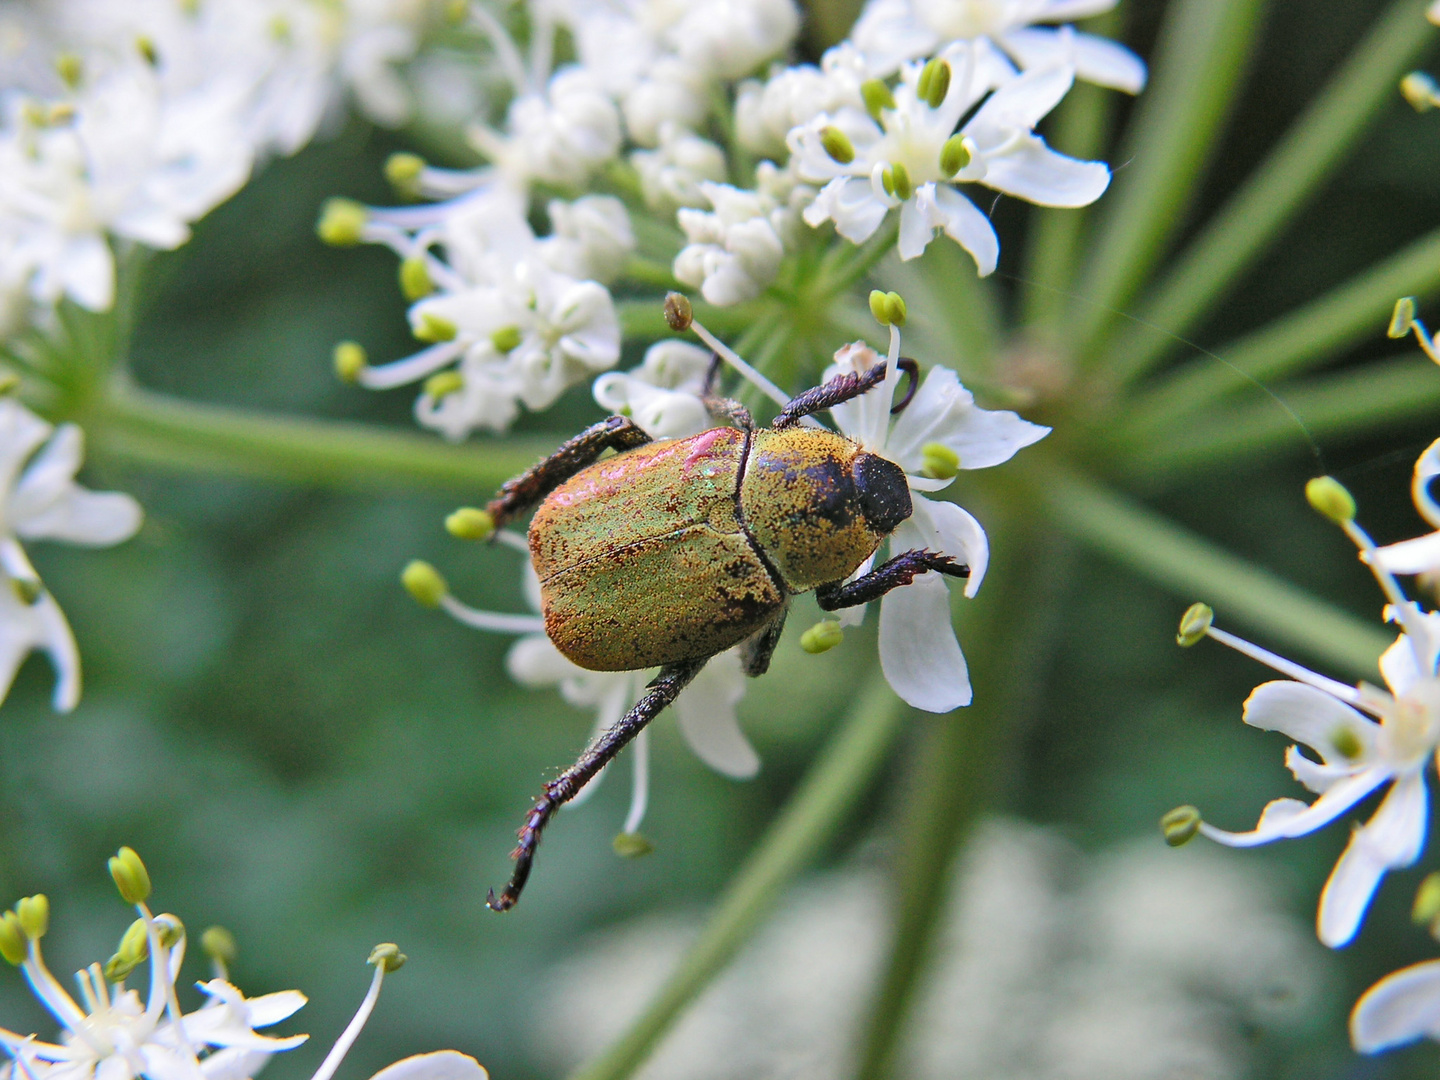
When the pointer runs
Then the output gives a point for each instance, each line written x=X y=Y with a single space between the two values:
x=305 y=756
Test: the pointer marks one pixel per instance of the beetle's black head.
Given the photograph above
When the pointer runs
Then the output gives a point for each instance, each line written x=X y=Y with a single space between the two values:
x=883 y=491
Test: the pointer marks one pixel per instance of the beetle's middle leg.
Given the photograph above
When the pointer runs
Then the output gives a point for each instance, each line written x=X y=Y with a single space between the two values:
x=661 y=692
x=526 y=490
x=758 y=648
x=891 y=574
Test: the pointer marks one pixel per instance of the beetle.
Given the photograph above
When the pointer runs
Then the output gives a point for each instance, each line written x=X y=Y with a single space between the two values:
x=668 y=553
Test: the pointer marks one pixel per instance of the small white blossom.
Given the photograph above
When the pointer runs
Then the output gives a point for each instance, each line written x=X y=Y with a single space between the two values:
x=590 y=238
x=765 y=113
x=671 y=174
x=560 y=136
x=662 y=395
x=734 y=251
x=672 y=93
x=1422 y=554
x=42 y=501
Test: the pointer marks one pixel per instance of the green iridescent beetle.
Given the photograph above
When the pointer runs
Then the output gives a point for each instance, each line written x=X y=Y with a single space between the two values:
x=668 y=553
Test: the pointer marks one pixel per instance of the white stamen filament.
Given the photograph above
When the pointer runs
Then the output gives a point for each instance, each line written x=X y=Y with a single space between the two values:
x=410 y=368
x=51 y=994
x=514 y=540
x=352 y=1030
x=773 y=392
x=506 y=55
x=495 y=621
x=1345 y=693
x=640 y=786
x=161 y=970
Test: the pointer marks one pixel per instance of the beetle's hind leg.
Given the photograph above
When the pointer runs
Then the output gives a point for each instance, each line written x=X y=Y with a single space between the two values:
x=843 y=388
x=661 y=692
x=526 y=490
x=723 y=407
x=891 y=574
x=759 y=647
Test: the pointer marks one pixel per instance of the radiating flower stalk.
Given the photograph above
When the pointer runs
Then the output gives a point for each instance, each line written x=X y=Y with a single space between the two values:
x=624 y=151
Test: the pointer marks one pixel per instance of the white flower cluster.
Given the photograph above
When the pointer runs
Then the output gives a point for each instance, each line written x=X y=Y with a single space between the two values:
x=128 y=122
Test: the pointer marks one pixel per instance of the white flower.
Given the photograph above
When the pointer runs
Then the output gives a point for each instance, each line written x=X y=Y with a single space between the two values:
x=590 y=238
x=671 y=93
x=42 y=502
x=890 y=32
x=730 y=38
x=918 y=651
x=662 y=395
x=670 y=175
x=735 y=251
x=560 y=136
x=913 y=158
x=1422 y=554
x=765 y=113
x=1400 y=1008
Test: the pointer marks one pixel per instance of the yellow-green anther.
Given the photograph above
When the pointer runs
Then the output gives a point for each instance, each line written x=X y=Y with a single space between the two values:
x=895 y=308
x=1402 y=318
x=133 y=950
x=403 y=171
x=1427 y=900
x=145 y=45
x=70 y=68
x=822 y=637
x=60 y=113
x=470 y=523
x=954 y=155
x=28 y=589
x=424 y=583
x=632 y=845
x=939 y=462
x=876 y=96
x=350 y=361
x=1180 y=825
x=131 y=877
x=169 y=929
x=896 y=179
x=435 y=328
x=1420 y=91
x=934 y=83
x=880 y=307
x=837 y=144
x=342 y=222
x=1328 y=497
x=444 y=383
x=219 y=944
x=34 y=915
x=1346 y=743
x=506 y=338
x=1194 y=624
x=678 y=313
x=280 y=29
x=456 y=11
x=387 y=955
x=415 y=280
x=13 y=944
x=9 y=383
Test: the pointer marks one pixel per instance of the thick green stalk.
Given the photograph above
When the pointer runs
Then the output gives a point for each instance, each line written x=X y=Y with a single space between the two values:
x=1360 y=308
x=1256 y=214
x=1203 y=49
x=1353 y=402
x=170 y=433
x=814 y=814
x=1195 y=569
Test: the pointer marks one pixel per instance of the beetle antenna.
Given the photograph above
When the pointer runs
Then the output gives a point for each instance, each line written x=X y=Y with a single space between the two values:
x=912 y=369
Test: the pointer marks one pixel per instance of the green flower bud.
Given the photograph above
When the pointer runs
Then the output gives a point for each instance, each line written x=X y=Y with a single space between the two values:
x=1180 y=825
x=506 y=338
x=435 y=328
x=444 y=383
x=131 y=877
x=631 y=845
x=1427 y=901
x=954 y=155
x=342 y=222
x=895 y=178
x=939 y=462
x=468 y=523
x=1328 y=497
x=70 y=68
x=934 y=83
x=219 y=944
x=424 y=583
x=822 y=637
x=34 y=915
x=403 y=171
x=1402 y=318
x=13 y=943
x=415 y=278
x=837 y=144
x=678 y=312
x=145 y=46
x=350 y=361
x=1194 y=624
x=876 y=96
x=388 y=956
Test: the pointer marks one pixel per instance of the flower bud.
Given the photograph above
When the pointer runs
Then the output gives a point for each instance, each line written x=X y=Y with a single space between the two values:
x=631 y=845
x=434 y=328
x=219 y=944
x=506 y=338
x=415 y=280
x=822 y=637
x=876 y=96
x=424 y=583
x=837 y=144
x=678 y=312
x=444 y=383
x=342 y=221
x=1328 y=497
x=1194 y=624
x=1426 y=909
x=388 y=956
x=403 y=171
x=1402 y=318
x=955 y=154
x=131 y=877
x=350 y=361
x=939 y=462
x=13 y=946
x=469 y=523
x=34 y=915
x=934 y=83
x=1180 y=825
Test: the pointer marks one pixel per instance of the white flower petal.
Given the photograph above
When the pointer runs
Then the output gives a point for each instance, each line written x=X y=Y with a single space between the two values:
x=851 y=204
x=705 y=711
x=1400 y=1008
x=1315 y=775
x=1418 y=556
x=947 y=529
x=919 y=655
x=919 y=218
x=1020 y=103
x=440 y=1065
x=1095 y=59
x=1312 y=717
x=1427 y=467
x=1287 y=818
x=1037 y=174
x=944 y=412
x=969 y=228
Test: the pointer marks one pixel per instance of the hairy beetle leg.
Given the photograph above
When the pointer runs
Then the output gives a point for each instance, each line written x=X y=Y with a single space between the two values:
x=891 y=574
x=661 y=692
x=526 y=490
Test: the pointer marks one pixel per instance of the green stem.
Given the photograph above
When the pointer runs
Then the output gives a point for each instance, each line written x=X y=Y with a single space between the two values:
x=1301 y=339
x=814 y=814
x=1257 y=213
x=1194 y=569
x=1203 y=49
x=152 y=429
x=1353 y=402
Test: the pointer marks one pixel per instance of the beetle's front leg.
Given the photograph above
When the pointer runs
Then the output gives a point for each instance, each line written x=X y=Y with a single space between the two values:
x=843 y=388
x=891 y=574
x=664 y=689
x=526 y=490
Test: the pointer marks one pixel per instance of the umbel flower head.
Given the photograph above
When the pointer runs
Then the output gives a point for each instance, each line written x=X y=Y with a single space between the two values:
x=111 y=1032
